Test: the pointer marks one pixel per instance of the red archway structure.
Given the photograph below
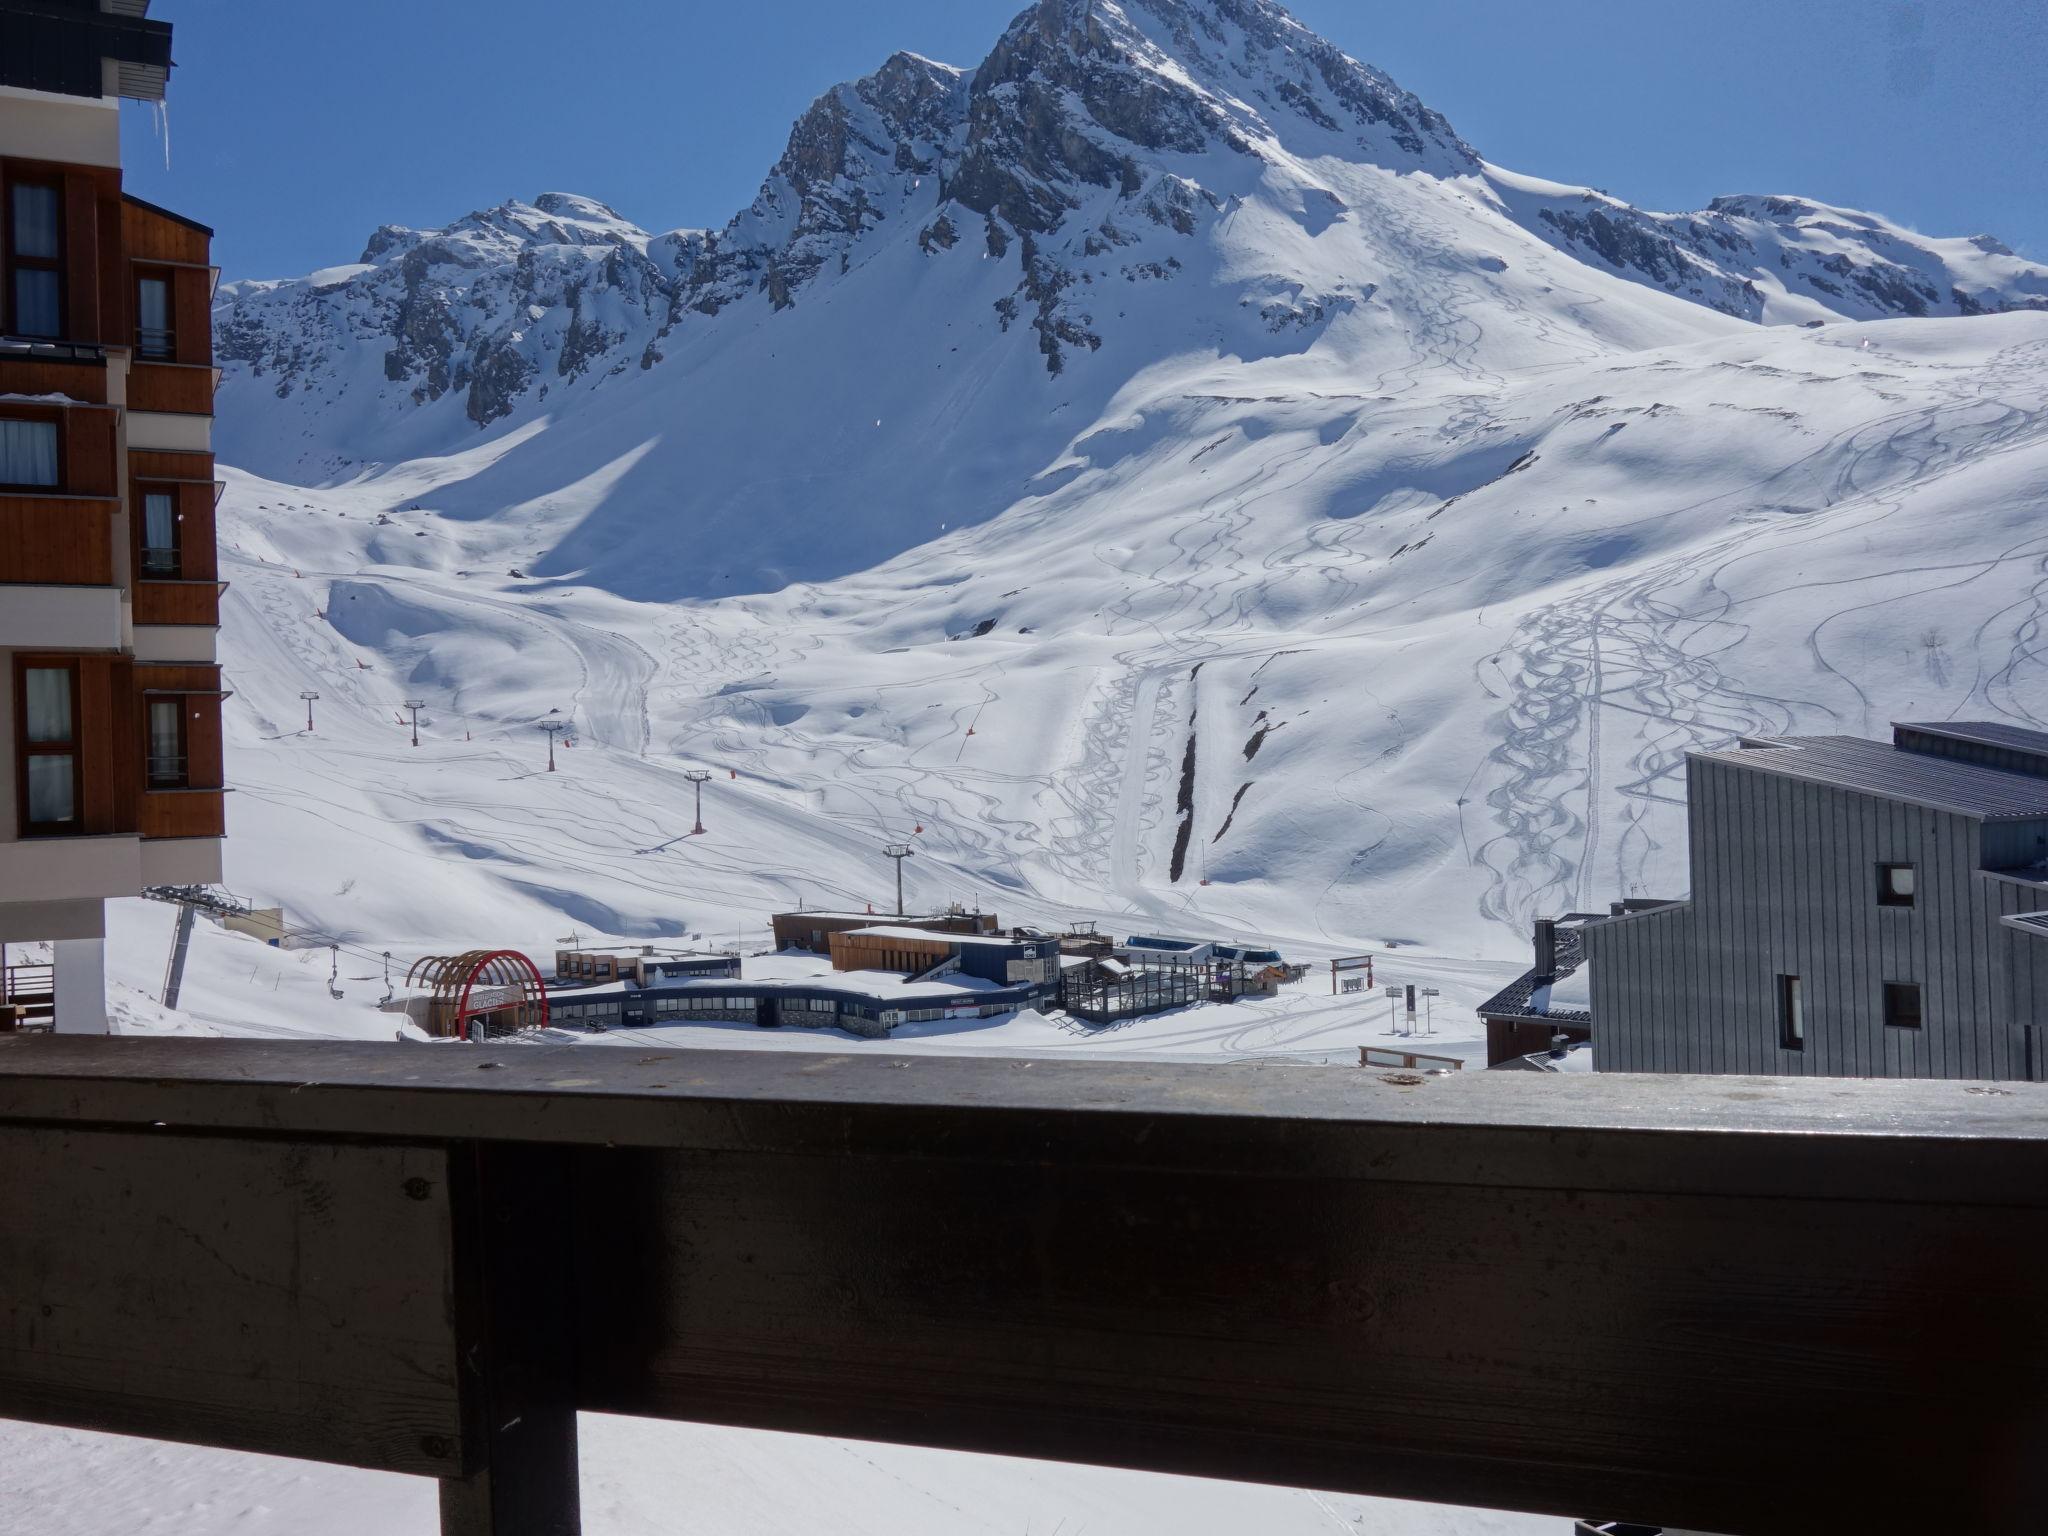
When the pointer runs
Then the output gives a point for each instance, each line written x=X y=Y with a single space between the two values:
x=483 y=992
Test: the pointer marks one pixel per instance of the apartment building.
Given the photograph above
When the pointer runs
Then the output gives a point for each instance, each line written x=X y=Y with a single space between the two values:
x=110 y=687
x=1859 y=909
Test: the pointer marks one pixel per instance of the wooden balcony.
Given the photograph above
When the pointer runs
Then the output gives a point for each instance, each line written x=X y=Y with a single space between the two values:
x=28 y=997
x=53 y=368
x=184 y=813
x=59 y=540
x=178 y=602
x=179 y=387
x=1766 y=1306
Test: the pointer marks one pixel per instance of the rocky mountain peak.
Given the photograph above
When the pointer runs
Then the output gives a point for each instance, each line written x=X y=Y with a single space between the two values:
x=1102 y=149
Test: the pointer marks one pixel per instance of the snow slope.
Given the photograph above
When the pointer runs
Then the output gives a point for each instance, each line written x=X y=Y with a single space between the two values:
x=1439 y=639
x=1281 y=496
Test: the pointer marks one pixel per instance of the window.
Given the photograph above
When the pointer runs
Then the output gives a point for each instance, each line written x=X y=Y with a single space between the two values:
x=48 y=763
x=166 y=743
x=1791 y=1013
x=153 y=334
x=28 y=453
x=36 y=274
x=1895 y=885
x=1902 y=1004
x=159 y=534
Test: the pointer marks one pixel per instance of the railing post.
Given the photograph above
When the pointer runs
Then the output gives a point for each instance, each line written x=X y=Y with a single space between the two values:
x=515 y=1306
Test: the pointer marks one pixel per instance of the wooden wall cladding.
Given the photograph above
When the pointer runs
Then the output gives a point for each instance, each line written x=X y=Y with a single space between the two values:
x=177 y=602
x=110 y=743
x=163 y=464
x=192 y=314
x=170 y=387
x=205 y=762
x=82 y=259
x=184 y=813
x=198 y=555
x=57 y=540
x=53 y=376
x=90 y=463
x=168 y=677
x=150 y=235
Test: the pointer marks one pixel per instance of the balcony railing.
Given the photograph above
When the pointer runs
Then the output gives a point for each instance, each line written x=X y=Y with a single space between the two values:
x=1745 y=1305
x=155 y=344
x=158 y=560
x=40 y=349
x=28 y=996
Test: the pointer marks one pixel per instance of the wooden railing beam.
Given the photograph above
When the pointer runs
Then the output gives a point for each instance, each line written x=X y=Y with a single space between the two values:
x=1742 y=1305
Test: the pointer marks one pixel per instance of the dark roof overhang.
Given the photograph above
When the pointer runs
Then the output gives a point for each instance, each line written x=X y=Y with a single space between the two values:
x=57 y=45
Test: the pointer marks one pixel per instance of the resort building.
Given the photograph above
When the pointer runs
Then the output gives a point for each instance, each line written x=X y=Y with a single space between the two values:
x=1859 y=909
x=109 y=588
x=880 y=978
x=813 y=930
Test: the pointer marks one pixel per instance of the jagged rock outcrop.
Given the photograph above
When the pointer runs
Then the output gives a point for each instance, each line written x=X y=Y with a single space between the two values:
x=1100 y=142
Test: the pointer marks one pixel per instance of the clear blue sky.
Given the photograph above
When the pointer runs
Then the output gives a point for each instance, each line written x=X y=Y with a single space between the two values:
x=297 y=128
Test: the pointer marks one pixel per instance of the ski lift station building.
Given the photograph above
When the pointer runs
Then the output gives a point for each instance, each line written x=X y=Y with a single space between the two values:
x=814 y=930
x=1156 y=949
x=881 y=976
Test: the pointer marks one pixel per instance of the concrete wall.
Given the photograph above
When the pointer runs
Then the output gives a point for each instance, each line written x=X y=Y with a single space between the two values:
x=169 y=430
x=31 y=921
x=181 y=861
x=60 y=619
x=46 y=125
x=1784 y=882
x=187 y=643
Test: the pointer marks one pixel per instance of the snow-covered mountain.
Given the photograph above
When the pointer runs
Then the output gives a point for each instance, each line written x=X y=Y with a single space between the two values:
x=1089 y=127
x=1323 y=531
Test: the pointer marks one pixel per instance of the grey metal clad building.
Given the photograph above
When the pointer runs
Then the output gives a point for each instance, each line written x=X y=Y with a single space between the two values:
x=1859 y=909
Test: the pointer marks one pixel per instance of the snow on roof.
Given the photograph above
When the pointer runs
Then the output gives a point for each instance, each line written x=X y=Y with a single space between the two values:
x=891 y=931
x=1573 y=991
x=882 y=984
x=1880 y=768
x=913 y=917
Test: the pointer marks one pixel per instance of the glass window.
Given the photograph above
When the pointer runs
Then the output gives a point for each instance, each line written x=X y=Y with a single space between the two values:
x=159 y=533
x=34 y=220
x=1895 y=885
x=49 y=748
x=153 y=317
x=28 y=453
x=46 y=692
x=35 y=241
x=38 y=302
x=166 y=742
x=1791 y=1013
x=1902 y=1004
x=51 y=777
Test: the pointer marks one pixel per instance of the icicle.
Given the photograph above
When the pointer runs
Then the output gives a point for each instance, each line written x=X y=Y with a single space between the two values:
x=162 y=114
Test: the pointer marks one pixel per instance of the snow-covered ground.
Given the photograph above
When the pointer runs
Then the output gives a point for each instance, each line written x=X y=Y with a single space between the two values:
x=650 y=1479
x=1420 y=666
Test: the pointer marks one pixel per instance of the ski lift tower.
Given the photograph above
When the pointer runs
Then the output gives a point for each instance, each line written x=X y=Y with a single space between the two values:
x=899 y=852
x=309 y=696
x=699 y=777
x=554 y=728
x=415 y=705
